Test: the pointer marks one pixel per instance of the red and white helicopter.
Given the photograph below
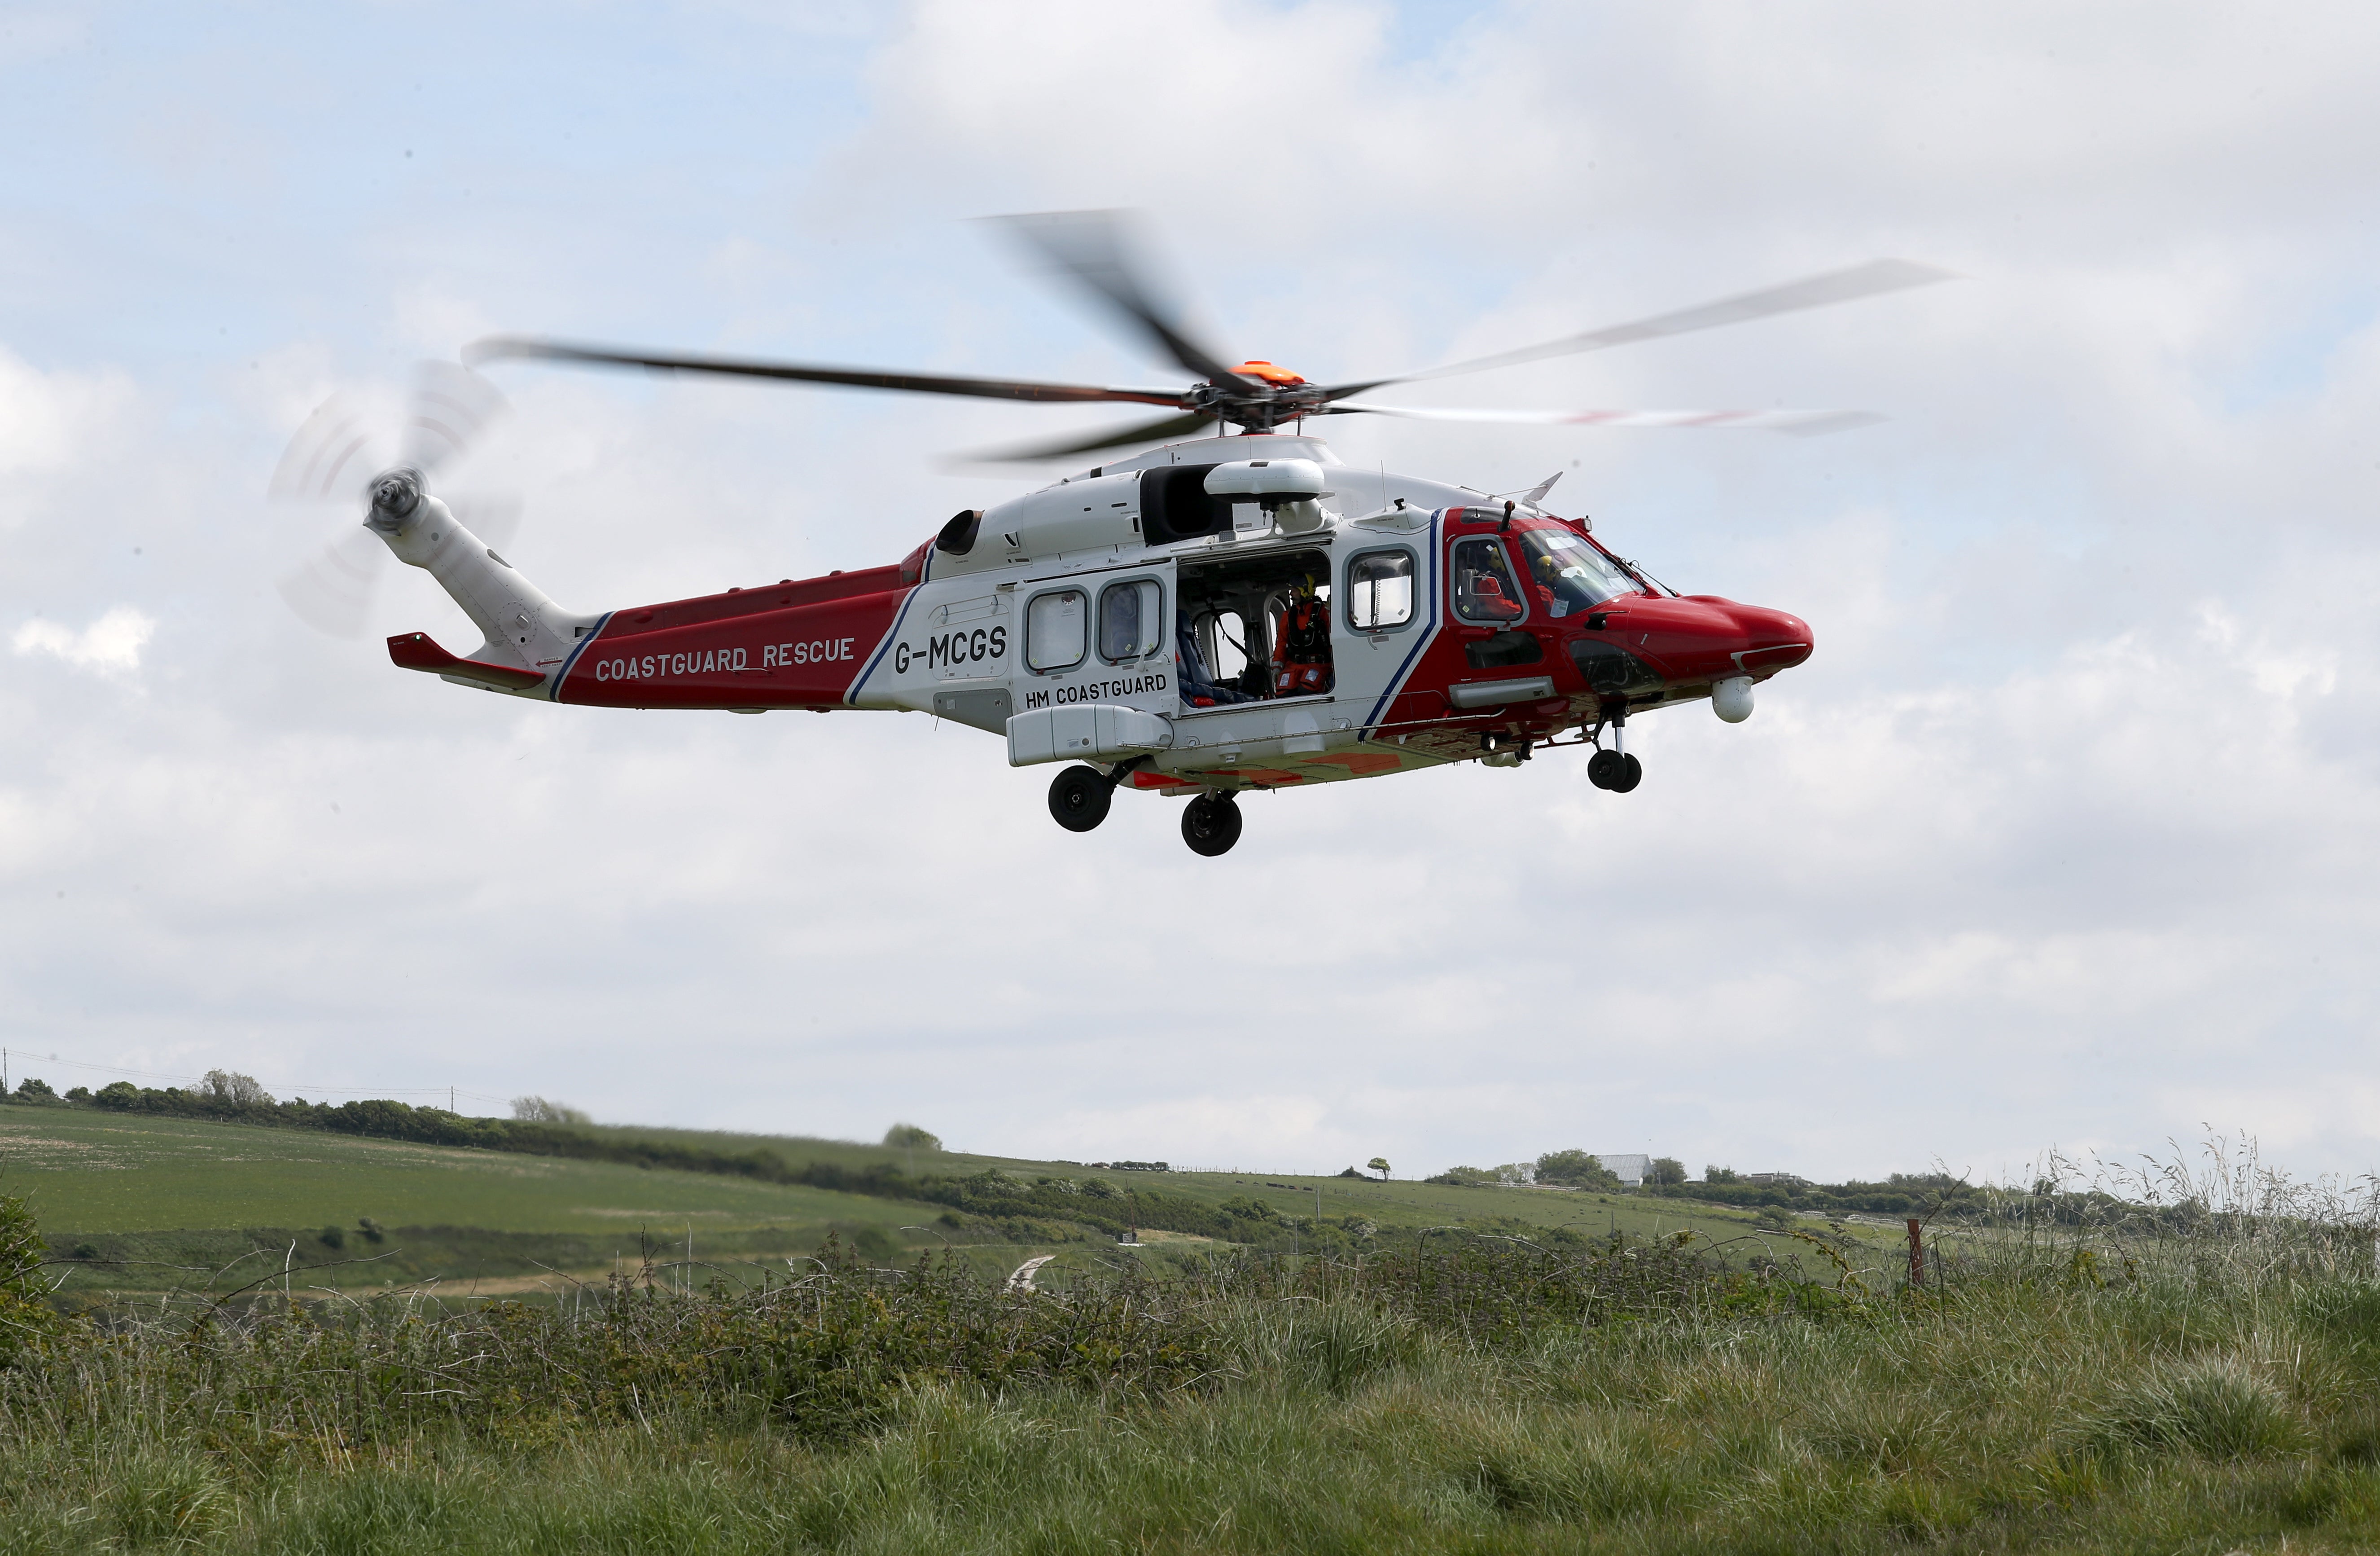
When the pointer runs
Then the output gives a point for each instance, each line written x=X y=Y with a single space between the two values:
x=1224 y=612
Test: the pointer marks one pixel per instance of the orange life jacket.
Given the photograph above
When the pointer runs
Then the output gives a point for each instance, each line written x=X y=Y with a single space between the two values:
x=1301 y=655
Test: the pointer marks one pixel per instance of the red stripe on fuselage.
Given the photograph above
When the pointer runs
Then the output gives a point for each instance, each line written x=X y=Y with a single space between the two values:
x=798 y=645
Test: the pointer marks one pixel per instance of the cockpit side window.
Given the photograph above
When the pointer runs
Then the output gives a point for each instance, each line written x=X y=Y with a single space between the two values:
x=1485 y=591
x=1567 y=575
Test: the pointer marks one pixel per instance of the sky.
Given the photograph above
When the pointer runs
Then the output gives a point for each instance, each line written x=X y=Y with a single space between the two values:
x=2062 y=840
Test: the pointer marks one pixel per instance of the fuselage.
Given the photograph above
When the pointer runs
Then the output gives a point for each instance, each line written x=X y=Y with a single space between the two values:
x=1193 y=618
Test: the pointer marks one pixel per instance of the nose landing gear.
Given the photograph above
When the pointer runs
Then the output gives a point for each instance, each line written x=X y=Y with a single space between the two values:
x=1210 y=823
x=1613 y=767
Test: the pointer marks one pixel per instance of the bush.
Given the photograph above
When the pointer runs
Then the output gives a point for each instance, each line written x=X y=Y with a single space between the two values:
x=37 y=1091
x=1576 y=1168
x=2217 y=1407
x=24 y=1316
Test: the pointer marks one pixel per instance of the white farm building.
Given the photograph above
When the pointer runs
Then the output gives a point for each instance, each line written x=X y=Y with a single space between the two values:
x=1631 y=1168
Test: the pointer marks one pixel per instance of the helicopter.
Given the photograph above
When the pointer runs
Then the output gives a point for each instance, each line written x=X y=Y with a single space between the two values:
x=1226 y=607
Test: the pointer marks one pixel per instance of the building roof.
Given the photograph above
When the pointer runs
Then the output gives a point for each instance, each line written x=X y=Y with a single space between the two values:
x=1629 y=1167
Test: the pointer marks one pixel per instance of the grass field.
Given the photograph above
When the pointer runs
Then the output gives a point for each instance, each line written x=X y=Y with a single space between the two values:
x=2206 y=1382
x=86 y=1171
x=99 y=1179
x=1483 y=1399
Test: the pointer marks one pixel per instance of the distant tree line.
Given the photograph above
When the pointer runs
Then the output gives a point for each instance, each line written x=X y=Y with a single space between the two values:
x=1562 y=1169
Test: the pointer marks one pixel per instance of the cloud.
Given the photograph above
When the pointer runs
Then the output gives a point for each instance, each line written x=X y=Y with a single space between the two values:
x=50 y=420
x=110 y=645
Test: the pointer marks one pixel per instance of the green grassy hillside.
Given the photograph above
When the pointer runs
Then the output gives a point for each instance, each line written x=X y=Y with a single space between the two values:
x=157 y=1201
x=88 y=1170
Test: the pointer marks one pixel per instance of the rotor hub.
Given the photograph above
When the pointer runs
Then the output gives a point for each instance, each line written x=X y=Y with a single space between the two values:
x=394 y=495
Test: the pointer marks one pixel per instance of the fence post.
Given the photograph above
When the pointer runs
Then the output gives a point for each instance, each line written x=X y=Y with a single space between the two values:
x=1916 y=1252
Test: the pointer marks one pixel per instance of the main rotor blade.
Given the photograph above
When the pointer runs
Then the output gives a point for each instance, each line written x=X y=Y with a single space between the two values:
x=1801 y=423
x=1164 y=430
x=526 y=348
x=1094 y=248
x=1869 y=280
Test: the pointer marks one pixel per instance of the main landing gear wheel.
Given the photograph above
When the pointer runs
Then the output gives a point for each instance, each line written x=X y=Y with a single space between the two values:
x=1080 y=798
x=1210 y=824
x=1614 y=771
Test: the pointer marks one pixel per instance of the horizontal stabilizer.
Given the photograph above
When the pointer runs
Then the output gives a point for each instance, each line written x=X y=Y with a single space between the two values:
x=416 y=651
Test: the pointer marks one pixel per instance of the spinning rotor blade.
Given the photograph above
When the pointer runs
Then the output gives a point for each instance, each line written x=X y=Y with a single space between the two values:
x=333 y=592
x=1817 y=291
x=1801 y=423
x=1163 y=430
x=1094 y=248
x=524 y=347
x=450 y=407
x=349 y=441
x=333 y=455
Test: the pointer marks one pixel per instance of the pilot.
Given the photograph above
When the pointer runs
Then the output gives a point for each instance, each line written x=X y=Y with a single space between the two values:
x=1548 y=585
x=1489 y=598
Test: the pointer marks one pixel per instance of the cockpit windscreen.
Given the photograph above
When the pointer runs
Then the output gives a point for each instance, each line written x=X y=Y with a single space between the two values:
x=1568 y=575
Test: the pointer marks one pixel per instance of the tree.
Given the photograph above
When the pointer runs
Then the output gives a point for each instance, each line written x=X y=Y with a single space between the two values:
x=236 y=1090
x=1379 y=1164
x=1718 y=1175
x=1668 y=1170
x=910 y=1137
x=1576 y=1168
x=539 y=1110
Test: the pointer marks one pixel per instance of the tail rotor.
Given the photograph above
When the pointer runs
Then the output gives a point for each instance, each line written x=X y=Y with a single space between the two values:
x=356 y=448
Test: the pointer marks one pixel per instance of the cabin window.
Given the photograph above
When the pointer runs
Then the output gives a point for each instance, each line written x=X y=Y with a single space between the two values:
x=1381 y=591
x=1224 y=638
x=1131 y=620
x=1054 y=630
x=1485 y=590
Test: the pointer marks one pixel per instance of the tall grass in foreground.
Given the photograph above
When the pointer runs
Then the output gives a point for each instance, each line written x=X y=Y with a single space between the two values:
x=1480 y=1395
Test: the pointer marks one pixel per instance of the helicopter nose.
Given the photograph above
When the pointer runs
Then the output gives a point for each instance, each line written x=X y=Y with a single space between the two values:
x=1778 y=641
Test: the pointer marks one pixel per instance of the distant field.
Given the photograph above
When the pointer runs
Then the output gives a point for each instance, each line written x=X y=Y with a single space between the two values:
x=112 y=1175
x=1398 y=1203
x=87 y=1171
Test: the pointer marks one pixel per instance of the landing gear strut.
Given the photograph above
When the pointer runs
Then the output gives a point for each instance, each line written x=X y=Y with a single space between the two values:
x=1079 y=797
x=1210 y=823
x=1613 y=767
